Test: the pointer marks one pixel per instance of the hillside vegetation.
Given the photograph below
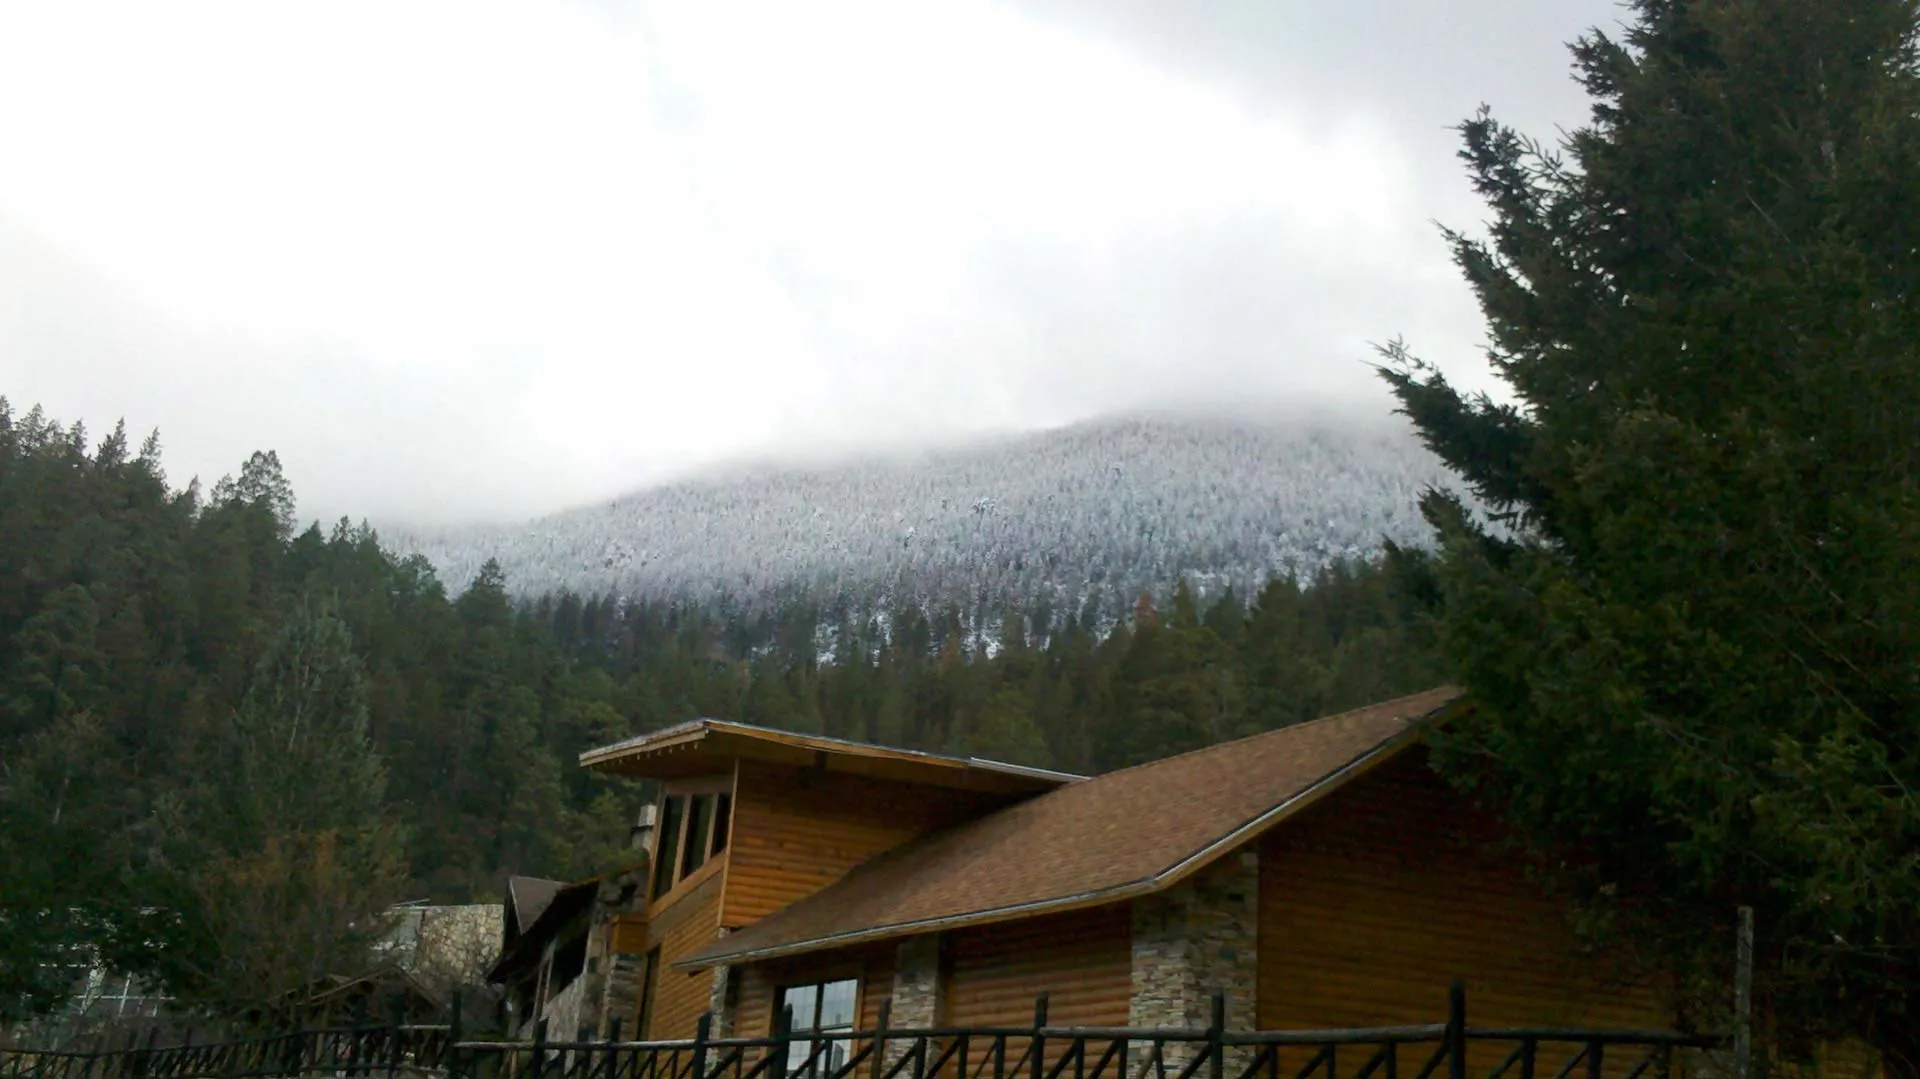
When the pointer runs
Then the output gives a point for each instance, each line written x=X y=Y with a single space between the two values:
x=234 y=737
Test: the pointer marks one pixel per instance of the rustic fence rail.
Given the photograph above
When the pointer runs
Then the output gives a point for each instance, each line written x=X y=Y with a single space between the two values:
x=1451 y=1049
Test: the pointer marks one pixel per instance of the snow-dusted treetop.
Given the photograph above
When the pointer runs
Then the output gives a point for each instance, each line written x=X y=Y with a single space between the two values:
x=1094 y=512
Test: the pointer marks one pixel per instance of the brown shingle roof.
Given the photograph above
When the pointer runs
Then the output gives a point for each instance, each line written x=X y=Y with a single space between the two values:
x=527 y=898
x=1100 y=840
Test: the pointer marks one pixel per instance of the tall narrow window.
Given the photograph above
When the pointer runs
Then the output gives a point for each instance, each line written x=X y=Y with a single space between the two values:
x=649 y=987
x=699 y=831
x=722 y=820
x=666 y=845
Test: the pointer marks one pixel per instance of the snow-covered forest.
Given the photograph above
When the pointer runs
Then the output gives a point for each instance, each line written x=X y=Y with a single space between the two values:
x=1083 y=516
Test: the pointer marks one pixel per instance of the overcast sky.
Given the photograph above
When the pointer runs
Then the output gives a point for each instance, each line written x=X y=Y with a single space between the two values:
x=487 y=258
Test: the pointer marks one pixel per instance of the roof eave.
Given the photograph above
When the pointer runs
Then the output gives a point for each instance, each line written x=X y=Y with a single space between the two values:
x=677 y=735
x=693 y=732
x=1160 y=881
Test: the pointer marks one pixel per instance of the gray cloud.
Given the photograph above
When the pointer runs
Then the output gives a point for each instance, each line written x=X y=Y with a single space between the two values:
x=1424 y=66
x=534 y=258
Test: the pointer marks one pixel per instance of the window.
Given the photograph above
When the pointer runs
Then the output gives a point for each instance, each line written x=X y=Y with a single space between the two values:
x=699 y=834
x=649 y=988
x=665 y=845
x=693 y=831
x=722 y=820
x=820 y=1008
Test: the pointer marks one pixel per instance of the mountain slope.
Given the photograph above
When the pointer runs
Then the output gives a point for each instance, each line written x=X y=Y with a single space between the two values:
x=1090 y=513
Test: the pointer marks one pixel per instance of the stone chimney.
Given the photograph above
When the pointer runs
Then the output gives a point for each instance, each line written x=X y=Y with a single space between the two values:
x=640 y=836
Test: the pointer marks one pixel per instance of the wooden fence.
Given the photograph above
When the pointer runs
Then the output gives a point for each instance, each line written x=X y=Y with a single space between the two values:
x=1442 y=1050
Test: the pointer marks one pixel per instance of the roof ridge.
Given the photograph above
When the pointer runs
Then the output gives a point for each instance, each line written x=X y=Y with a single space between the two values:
x=1315 y=721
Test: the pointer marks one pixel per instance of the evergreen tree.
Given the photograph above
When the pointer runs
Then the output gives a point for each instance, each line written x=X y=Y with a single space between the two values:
x=58 y=892
x=1005 y=731
x=262 y=486
x=302 y=865
x=1283 y=677
x=1689 y=623
x=57 y=669
x=1165 y=696
x=302 y=758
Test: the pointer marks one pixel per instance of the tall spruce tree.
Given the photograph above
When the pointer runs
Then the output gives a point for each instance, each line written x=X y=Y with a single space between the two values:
x=1690 y=617
x=302 y=759
x=302 y=861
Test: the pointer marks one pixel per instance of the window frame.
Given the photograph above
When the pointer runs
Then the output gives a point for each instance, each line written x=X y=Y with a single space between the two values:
x=649 y=990
x=666 y=837
x=696 y=842
x=682 y=806
x=799 y=1047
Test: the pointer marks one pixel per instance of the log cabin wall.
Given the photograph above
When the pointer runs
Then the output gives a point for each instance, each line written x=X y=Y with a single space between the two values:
x=989 y=976
x=674 y=999
x=1083 y=961
x=1374 y=900
x=796 y=831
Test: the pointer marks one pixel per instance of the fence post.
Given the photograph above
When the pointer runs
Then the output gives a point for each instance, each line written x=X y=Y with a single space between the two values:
x=1457 y=1030
x=782 y=1042
x=358 y=1037
x=880 y=1037
x=613 y=1047
x=396 y=1052
x=1217 y=1036
x=1743 y=997
x=290 y=1053
x=1037 y=1066
x=702 y=1033
x=539 y=1049
x=450 y=1056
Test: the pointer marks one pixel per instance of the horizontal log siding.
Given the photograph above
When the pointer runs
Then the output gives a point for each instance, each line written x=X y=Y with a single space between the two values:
x=1374 y=900
x=1082 y=960
x=629 y=935
x=796 y=831
x=692 y=922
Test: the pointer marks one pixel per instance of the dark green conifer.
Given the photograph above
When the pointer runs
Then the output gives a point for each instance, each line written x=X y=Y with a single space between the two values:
x=1690 y=618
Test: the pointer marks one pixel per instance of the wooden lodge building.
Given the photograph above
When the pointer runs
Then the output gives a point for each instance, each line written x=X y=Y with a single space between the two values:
x=1321 y=875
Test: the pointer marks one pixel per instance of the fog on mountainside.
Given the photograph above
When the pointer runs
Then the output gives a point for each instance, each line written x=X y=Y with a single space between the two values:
x=1086 y=515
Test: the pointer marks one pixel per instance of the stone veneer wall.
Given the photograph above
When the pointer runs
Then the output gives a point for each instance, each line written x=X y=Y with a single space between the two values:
x=563 y=1010
x=1193 y=940
x=720 y=1003
x=916 y=990
x=622 y=997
